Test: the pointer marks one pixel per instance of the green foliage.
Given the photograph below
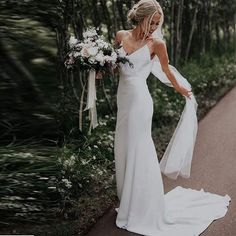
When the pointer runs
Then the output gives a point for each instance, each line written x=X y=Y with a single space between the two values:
x=210 y=79
x=28 y=184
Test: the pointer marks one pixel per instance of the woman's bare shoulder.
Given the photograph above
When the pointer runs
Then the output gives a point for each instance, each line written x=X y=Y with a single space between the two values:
x=159 y=46
x=158 y=42
x=121 y=34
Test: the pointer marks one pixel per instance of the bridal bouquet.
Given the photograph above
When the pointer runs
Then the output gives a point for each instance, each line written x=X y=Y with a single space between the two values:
x=92 y=54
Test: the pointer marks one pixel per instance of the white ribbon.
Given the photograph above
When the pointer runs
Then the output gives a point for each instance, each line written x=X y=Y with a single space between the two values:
x=177 y=158
x=91 y=100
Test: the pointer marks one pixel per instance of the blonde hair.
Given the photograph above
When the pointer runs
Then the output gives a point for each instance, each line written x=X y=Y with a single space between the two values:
x=143 y=9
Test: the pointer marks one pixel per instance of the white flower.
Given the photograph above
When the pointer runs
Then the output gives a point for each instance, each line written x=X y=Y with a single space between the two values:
x=102 y=63
x=67 y=183
x=70 y=162
x=84 y=162
x=171 y=113
x=80 y=45
x=93 y=51
x=76 y=54
x=102 y=123
x=88 y=43
x=107 y=58
x=113 y=57
x=90 y=33
x=72 y=41
x=72 y=158
x=102 y=44
x=100 y=58
x=70 y=61
x=110 y=137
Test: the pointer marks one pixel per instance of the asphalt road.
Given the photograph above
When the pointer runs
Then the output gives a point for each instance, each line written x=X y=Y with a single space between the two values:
x=213 y=169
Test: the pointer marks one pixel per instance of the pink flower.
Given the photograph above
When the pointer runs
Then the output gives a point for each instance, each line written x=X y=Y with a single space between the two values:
x=84 y=52
x=71 y=61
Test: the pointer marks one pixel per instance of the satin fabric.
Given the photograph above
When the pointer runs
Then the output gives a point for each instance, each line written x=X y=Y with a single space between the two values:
x=143 y=207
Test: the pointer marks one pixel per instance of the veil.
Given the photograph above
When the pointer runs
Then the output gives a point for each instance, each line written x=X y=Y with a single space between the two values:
x=178 y=155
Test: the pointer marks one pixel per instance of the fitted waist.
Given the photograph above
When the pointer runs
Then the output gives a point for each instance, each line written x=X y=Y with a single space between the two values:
x=131 y=87
x=132 y=81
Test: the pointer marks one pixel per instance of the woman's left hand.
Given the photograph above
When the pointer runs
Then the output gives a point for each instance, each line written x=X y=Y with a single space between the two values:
x=184 y=91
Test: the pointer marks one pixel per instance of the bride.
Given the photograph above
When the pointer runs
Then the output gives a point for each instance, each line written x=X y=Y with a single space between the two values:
x=143 y=206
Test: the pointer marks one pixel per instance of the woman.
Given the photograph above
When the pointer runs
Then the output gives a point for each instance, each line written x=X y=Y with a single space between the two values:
x=144 y=208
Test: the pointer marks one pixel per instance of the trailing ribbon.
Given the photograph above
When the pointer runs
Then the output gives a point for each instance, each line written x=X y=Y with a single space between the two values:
x=177 y=158
x=91 y=100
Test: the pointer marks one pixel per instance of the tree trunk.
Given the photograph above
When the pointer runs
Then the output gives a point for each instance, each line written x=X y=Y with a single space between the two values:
x=217 y=30
x=121 y=13
x=179 y=31
x=234 y=27
x=172 y=34
x=191 y=33
x=203 y=32
x=115 y=24
x=80 y=23
x=107 y=18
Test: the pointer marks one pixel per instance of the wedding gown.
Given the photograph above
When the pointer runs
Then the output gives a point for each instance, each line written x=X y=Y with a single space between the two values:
x=144 y=208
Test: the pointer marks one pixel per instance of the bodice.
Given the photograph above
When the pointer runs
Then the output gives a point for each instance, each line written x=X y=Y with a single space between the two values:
x=141 y=65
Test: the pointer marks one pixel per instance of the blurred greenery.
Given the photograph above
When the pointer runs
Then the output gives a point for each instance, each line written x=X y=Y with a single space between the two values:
x=52 y=173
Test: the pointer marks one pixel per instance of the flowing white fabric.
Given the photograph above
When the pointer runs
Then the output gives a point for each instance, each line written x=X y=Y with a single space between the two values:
x=144 y=208
x=177 y=158
x=91 y=100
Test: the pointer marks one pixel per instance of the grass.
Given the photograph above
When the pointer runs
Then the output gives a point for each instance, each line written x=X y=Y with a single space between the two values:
x=28 y=176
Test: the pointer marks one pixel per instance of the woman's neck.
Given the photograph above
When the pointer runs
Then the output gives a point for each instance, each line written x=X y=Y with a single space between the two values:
x=137 y=34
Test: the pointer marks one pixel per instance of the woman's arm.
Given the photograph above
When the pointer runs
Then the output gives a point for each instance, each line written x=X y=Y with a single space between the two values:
x=159 y=48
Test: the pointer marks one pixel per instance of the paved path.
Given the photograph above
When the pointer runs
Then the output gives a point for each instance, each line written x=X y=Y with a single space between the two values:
x=213 y=169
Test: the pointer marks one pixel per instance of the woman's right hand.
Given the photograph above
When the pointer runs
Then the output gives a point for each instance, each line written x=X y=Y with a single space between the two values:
x=99 y=75
x=184 y=91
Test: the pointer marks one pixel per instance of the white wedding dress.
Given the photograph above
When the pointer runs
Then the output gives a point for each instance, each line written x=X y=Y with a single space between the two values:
x=144 y=208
